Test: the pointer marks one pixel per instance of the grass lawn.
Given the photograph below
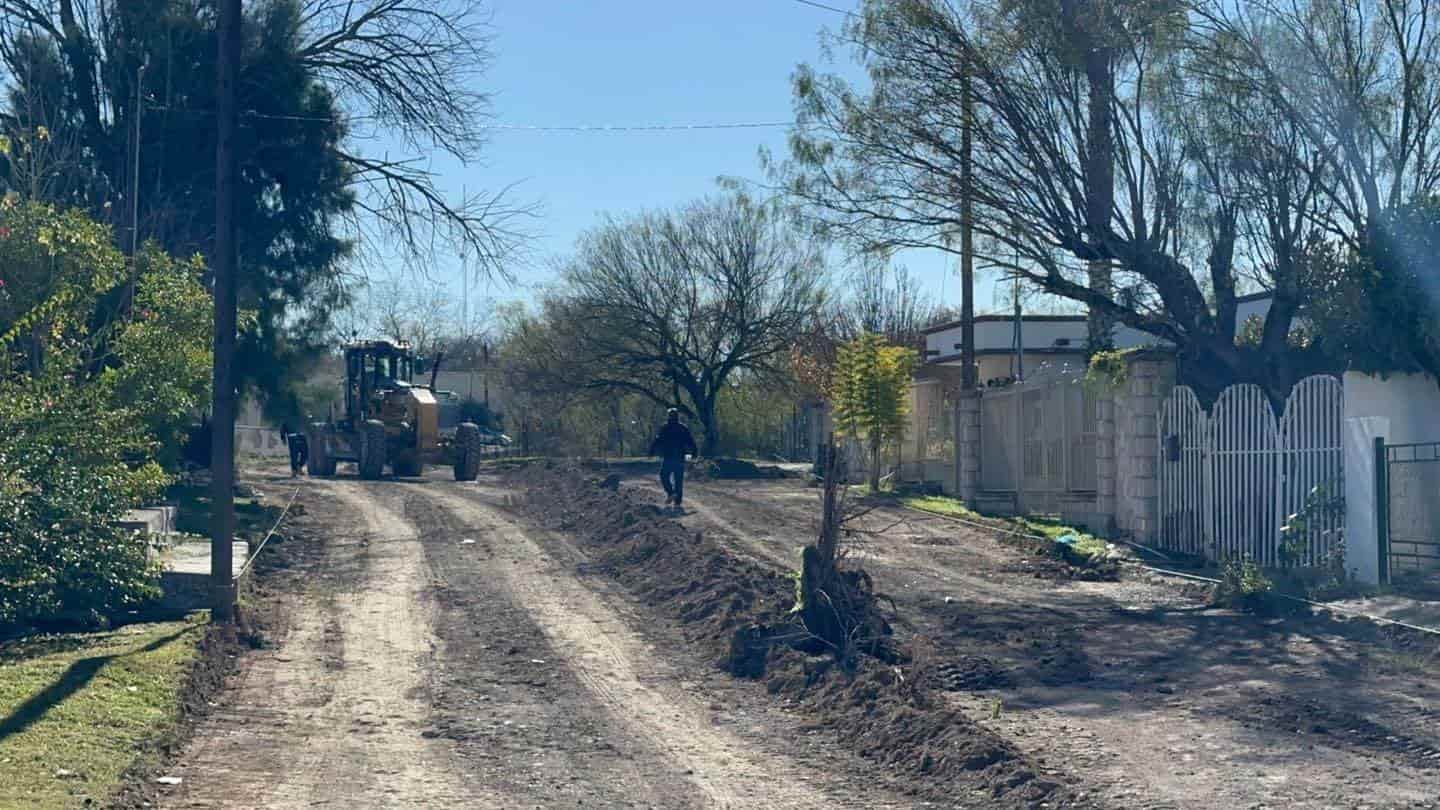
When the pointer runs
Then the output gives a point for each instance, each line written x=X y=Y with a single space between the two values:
x=1086 y=544
x=77 y=710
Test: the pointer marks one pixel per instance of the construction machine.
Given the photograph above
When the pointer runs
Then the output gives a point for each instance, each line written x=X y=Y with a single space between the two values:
x=390 y=420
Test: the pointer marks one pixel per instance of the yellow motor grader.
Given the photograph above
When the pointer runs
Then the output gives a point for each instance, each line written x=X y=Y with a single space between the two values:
x=389 y=420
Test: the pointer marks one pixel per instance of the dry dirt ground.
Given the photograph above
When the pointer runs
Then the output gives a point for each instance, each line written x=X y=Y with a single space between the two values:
x=1133 y=687
x=441 y=651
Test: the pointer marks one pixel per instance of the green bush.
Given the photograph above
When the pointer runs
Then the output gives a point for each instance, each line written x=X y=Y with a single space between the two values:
x=98 y=382
x=1243 y=586
x=64 y=481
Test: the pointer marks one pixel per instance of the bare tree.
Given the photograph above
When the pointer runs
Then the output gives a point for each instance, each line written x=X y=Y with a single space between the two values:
x=887 y=300
x=1099 y=173
x=675 y=307
x=399 y=67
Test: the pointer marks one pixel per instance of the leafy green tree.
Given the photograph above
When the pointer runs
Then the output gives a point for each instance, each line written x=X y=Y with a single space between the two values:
x=94 y=399
x=870 y=391
x=67 y=473
x=159 y=362
x=1377 y=309
x=317 y=75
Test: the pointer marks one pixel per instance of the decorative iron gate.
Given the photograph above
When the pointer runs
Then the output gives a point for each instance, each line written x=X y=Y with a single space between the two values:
x=1229 y=479
x=1407 y=485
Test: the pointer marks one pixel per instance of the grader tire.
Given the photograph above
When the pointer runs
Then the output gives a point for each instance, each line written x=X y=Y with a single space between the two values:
x=320 y=462
x=467 y=452
x=409 y=467
x=372 y=449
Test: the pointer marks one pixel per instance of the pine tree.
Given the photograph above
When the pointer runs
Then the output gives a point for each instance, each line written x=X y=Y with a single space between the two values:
x=871 y=383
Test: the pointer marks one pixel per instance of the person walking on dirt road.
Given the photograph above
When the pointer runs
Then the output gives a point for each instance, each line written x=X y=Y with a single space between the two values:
x=298 y=446
x=671 y=444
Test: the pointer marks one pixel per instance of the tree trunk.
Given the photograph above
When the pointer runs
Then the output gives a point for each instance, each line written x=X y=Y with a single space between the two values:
x=710 y=444
x=875 y=462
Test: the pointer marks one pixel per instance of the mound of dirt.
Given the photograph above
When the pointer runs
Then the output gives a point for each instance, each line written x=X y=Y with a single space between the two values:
x=1048 y=559
x=740 y=614
x=717 y=469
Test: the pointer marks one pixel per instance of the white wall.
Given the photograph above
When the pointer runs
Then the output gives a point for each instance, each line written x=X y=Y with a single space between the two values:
x=1000 y=335
x=1403 y=408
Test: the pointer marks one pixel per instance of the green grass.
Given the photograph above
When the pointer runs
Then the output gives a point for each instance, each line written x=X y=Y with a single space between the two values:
x=77 y=710
x=940 y=505
x=1087 y=545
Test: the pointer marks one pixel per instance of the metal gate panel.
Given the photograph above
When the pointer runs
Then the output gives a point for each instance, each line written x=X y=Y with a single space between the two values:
x=1244 y=462
x=1311 y=458
x=998 y=428
x=1228 y=481
x=1183 y=507
x=1410 y=510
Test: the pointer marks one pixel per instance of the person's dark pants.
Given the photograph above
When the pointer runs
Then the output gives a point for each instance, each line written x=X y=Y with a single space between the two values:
x=672 y=477
x=299 y=451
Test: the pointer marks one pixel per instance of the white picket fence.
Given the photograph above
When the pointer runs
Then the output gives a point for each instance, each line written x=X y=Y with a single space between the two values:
x=1228 y=480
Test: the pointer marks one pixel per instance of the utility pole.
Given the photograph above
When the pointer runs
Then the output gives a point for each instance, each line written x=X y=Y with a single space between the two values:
x=222 y=443
x=968 y=372
x=135 y=183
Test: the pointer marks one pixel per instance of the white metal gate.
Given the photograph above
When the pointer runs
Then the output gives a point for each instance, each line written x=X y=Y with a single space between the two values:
x=1037 y=438
x=1229 y=480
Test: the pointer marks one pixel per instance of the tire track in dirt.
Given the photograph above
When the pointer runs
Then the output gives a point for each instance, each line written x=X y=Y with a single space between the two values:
x=637 y=685
x=1143 y=729
x=772 y=534
x=340 y=706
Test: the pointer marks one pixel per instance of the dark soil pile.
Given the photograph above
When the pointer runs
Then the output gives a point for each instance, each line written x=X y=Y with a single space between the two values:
x=717 y=469
x=1049 y=559
x=740 y=613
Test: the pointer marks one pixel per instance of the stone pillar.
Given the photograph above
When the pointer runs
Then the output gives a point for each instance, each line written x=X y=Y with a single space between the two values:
x=967 y=446
x=1149 y=378
x=1105 y=473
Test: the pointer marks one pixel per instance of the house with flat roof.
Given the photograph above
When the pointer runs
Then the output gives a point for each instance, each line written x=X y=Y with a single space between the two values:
x=1048 y=339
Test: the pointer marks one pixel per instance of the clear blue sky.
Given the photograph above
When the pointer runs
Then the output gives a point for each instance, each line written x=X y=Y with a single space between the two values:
x=644 y=62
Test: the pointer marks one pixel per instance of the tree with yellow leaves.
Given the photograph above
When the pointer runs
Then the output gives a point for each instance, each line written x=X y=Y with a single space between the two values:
x=869 y=390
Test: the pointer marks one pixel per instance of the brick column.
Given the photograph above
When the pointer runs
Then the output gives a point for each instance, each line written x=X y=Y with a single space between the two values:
x=1105 y=472
x=1137 y=444
x=967 y=446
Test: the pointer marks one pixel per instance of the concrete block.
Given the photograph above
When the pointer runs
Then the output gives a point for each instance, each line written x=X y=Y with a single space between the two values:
x=185 y=575
x=154 y=520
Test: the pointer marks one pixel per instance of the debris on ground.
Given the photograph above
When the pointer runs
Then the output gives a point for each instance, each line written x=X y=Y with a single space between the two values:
x=738 y=469
x=741 y=613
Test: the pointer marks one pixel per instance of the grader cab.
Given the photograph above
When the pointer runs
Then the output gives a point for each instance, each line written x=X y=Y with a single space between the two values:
x=390 y=420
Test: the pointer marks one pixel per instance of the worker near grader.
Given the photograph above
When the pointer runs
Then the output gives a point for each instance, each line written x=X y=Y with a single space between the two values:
x=671 y=444
x=298 y=446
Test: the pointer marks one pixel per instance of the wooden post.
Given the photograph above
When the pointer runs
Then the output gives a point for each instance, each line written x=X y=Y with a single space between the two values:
x=968 y=372
x=222 y=458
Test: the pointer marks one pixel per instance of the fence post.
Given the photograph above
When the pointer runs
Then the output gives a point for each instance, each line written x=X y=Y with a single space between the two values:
x=1105 y=471
x=1382 y=508
x=967 y=445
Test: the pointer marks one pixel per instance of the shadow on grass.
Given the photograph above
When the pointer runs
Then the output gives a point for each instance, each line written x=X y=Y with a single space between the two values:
x=76 y=677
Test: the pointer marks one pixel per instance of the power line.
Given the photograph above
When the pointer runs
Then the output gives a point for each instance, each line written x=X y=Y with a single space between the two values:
x=510 y=127
x=814 y=4
x=637 y=128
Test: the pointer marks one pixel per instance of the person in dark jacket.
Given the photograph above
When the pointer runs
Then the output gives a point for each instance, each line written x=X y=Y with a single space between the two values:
x=298 y=446
x=671 y=444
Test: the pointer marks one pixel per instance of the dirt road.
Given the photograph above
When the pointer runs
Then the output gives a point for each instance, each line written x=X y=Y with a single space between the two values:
x=445 y=654
x=1151 y=699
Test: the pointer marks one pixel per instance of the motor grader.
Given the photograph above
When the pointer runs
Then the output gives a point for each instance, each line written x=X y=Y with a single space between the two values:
x=390 y=420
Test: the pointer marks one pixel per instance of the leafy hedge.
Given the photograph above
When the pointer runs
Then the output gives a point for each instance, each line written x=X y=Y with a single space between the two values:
x=64 y=481
x=103 y=363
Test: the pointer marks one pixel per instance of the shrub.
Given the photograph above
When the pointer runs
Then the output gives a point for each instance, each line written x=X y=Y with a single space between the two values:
x=64 y=481
x=1243 y=586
